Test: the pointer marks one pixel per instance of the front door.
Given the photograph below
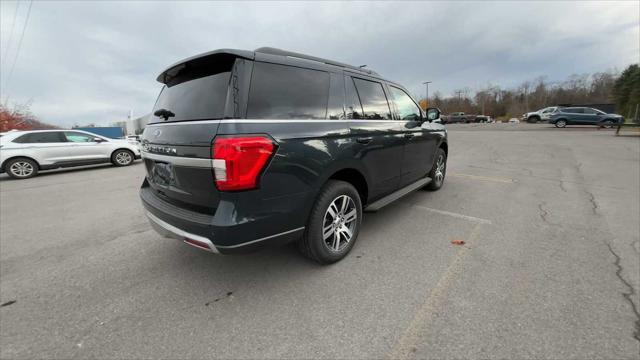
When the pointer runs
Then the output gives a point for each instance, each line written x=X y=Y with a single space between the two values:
x=379 y=139
x=84 y=147
x=420 y=138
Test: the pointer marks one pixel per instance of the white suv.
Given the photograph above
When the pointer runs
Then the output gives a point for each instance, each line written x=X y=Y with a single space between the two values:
x=24 y=153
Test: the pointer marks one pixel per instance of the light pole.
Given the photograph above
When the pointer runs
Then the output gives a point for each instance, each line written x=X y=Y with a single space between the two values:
x=426 y=101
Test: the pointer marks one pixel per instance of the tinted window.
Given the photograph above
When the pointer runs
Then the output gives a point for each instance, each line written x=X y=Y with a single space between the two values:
x=407 y=109
x=592 y=111
x=335 y=109
x=573 y=110
x=352 y=102
x=73 y=136
x=195 y=96
x=374 y=102
x=41 y=137
x=286 y=92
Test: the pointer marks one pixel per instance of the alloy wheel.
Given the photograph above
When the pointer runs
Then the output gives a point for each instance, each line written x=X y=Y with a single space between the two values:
x=21 y=169
x=340 y=221
x=123 y=158
x=439 y=175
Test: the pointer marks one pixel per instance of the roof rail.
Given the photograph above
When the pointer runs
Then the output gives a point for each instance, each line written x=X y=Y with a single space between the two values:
x=275 y=51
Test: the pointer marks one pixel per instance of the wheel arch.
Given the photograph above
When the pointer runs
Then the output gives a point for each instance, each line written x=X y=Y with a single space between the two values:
x=355 y=178
x=444 y=146
x=121 y=148
x=2 y=166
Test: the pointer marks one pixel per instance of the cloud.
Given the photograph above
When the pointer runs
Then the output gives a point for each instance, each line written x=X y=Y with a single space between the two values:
x=87 y=62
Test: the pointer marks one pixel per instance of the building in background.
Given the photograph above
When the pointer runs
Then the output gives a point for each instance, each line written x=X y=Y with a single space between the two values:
x=136 y=126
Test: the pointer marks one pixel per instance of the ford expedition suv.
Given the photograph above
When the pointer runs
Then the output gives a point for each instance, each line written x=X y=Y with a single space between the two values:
x=249 y=148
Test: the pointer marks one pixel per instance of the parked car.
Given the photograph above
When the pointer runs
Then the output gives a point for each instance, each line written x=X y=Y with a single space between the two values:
x=287 y=147
x=461 y=117
x=24 y=153
x=540 y=115
x=584 y=116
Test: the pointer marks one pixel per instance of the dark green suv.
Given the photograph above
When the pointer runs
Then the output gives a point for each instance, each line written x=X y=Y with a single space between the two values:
x=583 y=116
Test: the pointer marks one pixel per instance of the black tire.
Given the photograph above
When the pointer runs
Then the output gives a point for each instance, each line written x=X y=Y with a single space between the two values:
x=437 y=181
x=561 y=123
x=21 y=168
x=607 y=124
x=313 y=244
x=533 y=119
x=122 y=157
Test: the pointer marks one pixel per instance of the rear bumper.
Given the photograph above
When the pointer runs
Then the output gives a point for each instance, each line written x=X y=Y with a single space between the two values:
x=225 y=232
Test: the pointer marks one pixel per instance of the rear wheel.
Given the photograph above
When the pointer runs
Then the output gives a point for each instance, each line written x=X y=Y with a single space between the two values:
x=334 y=223
x=122 y=157
x=561 y=123
x=21 y=168
x=438 y=171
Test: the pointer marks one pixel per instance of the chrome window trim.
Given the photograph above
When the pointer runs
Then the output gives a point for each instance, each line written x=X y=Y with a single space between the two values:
x=267 y=121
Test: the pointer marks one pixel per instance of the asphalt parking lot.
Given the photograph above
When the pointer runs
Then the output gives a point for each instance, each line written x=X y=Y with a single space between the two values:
x=550 y=268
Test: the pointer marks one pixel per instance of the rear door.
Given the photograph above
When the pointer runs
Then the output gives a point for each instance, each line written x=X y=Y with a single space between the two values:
x=420 y=138
x=379 y=138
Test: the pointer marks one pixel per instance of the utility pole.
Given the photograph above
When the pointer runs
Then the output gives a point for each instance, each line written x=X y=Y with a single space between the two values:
x=426 y=101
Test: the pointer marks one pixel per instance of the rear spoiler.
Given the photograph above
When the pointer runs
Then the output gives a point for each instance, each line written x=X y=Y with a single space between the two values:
x=202 y=60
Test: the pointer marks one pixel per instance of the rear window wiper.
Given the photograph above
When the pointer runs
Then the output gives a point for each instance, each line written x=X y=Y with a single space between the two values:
x=164 y=113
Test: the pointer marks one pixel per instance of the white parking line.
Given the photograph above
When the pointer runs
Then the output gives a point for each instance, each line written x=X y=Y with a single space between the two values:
x=434 y=299
x=456 y=215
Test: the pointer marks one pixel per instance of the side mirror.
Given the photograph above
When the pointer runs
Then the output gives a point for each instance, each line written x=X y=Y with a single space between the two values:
x=98 y=140
x=433 y=114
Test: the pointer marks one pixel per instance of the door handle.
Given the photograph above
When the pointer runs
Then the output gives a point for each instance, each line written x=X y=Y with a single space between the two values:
x=364 y=140
x=408 y=135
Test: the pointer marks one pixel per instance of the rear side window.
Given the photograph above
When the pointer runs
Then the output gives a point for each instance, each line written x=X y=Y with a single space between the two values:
x=407 y=109
x=573 y=110
x=286 y=92
x=41 y=137
x=374 y=101
x=73 y=136
x=196 y=92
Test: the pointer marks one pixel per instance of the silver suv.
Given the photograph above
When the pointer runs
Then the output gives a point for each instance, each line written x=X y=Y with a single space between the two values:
x=24 y=153
x=540 y=115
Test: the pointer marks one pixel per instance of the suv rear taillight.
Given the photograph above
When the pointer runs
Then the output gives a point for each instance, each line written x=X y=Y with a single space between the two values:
x=238 y=161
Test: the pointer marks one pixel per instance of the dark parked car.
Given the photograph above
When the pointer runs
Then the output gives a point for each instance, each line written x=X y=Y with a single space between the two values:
x=249 y=148
x=583 y=116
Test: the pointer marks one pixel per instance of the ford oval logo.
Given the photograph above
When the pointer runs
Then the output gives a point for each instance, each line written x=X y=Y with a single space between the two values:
x=157 y=132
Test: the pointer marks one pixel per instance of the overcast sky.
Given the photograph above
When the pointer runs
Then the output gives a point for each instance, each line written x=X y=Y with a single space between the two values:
x=92 y=62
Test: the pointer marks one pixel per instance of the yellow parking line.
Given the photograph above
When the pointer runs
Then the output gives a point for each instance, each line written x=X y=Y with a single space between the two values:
x=484 y=178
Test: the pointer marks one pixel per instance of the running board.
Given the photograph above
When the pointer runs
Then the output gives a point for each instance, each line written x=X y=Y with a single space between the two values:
x=377 y=205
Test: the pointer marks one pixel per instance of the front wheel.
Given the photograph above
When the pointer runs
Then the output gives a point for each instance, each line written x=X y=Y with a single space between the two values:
x=334 y=223
x=607 y=124
x=122 y=157
x=438 y=171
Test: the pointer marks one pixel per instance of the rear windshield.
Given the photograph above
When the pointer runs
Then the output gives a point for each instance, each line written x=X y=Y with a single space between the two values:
x=196 y=93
